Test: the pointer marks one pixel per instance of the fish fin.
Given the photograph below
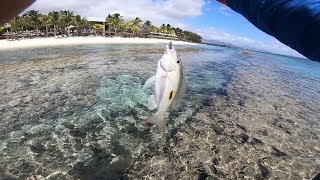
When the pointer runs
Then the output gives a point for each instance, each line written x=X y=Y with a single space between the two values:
x=149 y=83
x=157 y=119
x=151 y=103
x=178 y=98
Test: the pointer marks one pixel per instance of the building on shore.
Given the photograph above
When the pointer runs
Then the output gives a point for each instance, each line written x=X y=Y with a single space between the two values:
x=145 y=33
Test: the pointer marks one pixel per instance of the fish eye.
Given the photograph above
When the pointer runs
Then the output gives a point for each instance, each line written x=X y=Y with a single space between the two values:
x=178 y=62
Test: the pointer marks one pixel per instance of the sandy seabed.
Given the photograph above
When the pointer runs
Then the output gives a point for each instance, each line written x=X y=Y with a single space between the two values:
x=45 y=42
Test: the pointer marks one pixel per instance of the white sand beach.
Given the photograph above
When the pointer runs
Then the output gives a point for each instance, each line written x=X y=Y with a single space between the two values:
x=45 y=42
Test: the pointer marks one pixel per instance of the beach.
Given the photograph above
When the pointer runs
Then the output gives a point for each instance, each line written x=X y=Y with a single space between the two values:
x=52 y=41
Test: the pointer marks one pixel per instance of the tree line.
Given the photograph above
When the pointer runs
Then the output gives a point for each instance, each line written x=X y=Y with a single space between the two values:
x=65 y=22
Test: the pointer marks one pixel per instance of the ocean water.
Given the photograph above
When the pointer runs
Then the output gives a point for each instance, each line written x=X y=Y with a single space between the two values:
x=76 y=112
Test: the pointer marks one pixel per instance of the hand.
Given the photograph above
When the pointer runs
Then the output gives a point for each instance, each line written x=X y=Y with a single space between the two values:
x=223 y=1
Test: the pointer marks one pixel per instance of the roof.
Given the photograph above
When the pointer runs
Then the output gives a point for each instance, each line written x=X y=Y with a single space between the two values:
x=144 y=30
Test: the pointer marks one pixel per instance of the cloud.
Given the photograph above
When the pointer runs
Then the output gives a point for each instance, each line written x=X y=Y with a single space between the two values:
x=273 y=46
x=225 y=10
x=157 y=11
x=215 y=34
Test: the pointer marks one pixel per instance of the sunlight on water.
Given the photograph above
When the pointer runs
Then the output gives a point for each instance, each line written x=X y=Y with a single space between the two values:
x=122 y=92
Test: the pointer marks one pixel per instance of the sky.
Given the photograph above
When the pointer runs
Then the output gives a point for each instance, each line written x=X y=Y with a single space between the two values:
x=209 y=18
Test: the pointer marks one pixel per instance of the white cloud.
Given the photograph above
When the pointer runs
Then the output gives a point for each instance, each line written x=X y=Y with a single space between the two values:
x=212 y=33
x=274 y=46
x=157 y=11
x=225 y=10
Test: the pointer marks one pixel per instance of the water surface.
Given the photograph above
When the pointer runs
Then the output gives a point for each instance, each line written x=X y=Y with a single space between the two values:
x=76 y=112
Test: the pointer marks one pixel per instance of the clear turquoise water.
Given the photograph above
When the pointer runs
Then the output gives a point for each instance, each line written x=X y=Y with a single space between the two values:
x=76 y=112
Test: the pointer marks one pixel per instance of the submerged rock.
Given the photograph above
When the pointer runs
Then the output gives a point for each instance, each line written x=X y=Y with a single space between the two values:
x=14 y=102
x=243 y=137
x=77 y=132
x=277 y=152
x=37 y=148
x=264 y=171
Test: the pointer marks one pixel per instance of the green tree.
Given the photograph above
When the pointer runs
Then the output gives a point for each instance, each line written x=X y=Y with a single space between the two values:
x=125 y=27
x=148 y=24
x=168 y=27
x=19 y=23
x=114 y=22
x=46 y=20
x=163 y=28
x=67 y=20
x=32 y=17
x=135 y=25
x=55 y=20
x=154 y=28
x=78 y=24
x=81 y=23
x=84 y=23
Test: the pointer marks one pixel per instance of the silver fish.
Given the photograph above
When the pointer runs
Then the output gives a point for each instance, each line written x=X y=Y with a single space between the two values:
x=168 y=86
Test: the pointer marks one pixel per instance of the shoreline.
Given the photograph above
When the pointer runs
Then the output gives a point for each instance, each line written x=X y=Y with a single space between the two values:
x=52 y=41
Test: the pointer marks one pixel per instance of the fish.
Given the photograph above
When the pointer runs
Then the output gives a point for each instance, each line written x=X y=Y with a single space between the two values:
x=168 y=86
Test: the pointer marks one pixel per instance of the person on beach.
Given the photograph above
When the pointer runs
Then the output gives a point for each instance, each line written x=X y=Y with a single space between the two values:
x=295 y=23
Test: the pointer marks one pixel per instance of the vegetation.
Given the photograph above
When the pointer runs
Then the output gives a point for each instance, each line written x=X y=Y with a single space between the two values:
x=46 y=20
x=67 y=22
x=115 y=22
x=97 y=28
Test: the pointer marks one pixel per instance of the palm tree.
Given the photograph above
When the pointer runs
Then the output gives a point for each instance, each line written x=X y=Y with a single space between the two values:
x=14 y=23
x=46 y=20
x=84 y=23
x=114 y=21
x=77 y=20
x=136 y=24
x=148 y=24
x=168 y=27
x=163 y=28
x=33 y=17
x=19 y=23
x=67 y=20
x=180 y=33
x=154 y=28
x=81 y=23
x=126 y=27
x=55 y=20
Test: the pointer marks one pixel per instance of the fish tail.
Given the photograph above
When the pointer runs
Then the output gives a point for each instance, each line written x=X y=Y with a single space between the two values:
x=157 y=119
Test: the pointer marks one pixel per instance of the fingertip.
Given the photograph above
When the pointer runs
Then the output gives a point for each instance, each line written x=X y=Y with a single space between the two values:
x=223 y=2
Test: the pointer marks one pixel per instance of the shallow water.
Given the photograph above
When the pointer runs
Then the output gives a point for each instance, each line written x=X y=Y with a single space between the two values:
x=76 y=112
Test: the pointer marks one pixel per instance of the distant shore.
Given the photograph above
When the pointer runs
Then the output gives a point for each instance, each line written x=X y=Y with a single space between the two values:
x=48 y=42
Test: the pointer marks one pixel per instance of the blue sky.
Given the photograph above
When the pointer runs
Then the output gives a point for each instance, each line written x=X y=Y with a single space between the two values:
x=209 y=18
x=221 y=17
